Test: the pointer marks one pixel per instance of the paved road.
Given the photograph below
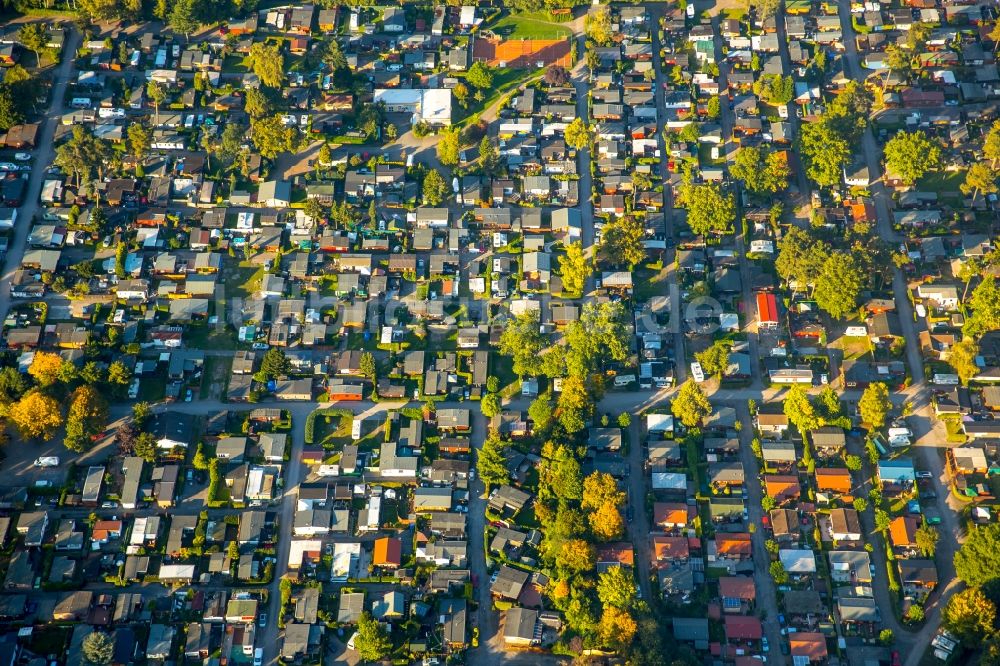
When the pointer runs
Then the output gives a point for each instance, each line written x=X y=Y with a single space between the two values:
x=43 y=156
x=928 y=436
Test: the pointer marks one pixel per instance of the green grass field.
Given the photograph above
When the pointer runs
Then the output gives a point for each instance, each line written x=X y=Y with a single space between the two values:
x=521 y=26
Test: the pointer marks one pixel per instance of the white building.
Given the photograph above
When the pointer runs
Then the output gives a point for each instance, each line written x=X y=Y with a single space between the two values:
x=432 y=106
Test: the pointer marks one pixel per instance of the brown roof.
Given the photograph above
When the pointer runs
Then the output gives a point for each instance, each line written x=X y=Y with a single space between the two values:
x=737 y=587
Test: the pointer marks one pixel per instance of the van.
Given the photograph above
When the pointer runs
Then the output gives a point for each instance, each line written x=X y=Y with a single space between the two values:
x=80 y=102
x=116 y=114
x=624 y=380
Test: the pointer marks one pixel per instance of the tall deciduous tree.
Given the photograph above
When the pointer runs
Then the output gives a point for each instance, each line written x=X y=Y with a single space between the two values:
x=825 y=152
x=838 y=285
x=875 y=405
x=34 y=37
x=267 y=62
x=448 y=147
x=977 y=562
x=715 y=359
x=36 y=415
x=979 y=179
x=690 y=405
x=710 y=210
x=523 y=341
x=492 y=462
x=910 y=155
x=371 y=641
x=575 y=268
x=621 y=241
x=577 y=134
x=970 y=615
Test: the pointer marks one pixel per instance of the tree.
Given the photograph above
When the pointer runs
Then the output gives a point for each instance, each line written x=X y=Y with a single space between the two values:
x=962 y=358
x=540 y=413
x=333 y=56
x=825 y=152
x=709 y=210
x=578 y=135
x=690 y=405
x=606 y=523
x=371 y=641
x=897 y=61
x=765 y=8
x=800 y=411
x=977 y=562
x=984 y=305
x=979 y=179
x=800 y=258
x=275 y=364
x=45 y=367
x=597 y=25
x=882 y=520
x=574 y=405
x=448 y=147
x=910 y=155
x=713 y=107
x=575 y=556
x=10 y=110
x=926 y=539
x=715 y=359
x=257 y=104
x=98 y=649
x=991 y=143
x=690 y=133
x=34 y=37
x=367 y=365
x=82 y=154
x=838 y=285
x=88 y=414
x=271 y=137
x=522 y=340
x=575 y=269
x=617 y=627
x=875 y=405
x=600 y=488
x=492 y=462
x=860 y=504
x=12 y=385
x=157 y=94
x=489 y=158
x=886 y=637
x=775 y=89
x=267 y=62
x=853 y=463
x=36 y=416
x=616 y=588
x=556 y=75
x=970 y=615
x=622 y=240
x=435 y=188
x=139 y=140
x=184 y=17
x=119 y=374
x=490 y=405
x=761 y=171
x=200 y=460
x=480 y=75
x=145 y=447
x=778 y=573
x=461 y=93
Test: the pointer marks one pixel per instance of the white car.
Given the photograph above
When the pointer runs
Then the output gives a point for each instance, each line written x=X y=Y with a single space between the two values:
x=47 y=461
x=22 y=157
x=8 y=166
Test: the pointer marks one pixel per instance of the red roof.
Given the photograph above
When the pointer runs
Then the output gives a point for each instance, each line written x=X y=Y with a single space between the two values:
x=737 y=587
x=767 y=309
x=743 y=628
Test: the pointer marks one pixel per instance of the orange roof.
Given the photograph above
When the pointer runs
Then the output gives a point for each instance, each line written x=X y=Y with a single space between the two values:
x=619 y=553
x=810 y=644
x=733 y=544
x=670 y=513
x=782 y=486
x=669 y=548
x=833 y=478
x=903 y=531
x=767 y=309
x=737 y=587
x=388 y=552
x=522 y=52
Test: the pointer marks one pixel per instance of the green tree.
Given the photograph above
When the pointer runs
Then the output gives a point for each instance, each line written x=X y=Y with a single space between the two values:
x=371 y=641
x=962 y=359
x=257 y=104
x=979 y=179
x=977 y=562
x=435 y=188
x=853 y=463
x=690 y=405
x=98 y=649
x=271 y=137
x=184 y=17
x=860 y=504
x=367 y=366
x=616 y=587
x=910 y=155
x=139 y=140
x=983 y=309
x=713 y=107
x=622 y=241
x=715 y=359
x=119 y=374
x=761 y=171
x=491 y=461
x=578 y=135
x=34 y=37
x=575 y=269
x=778 y=573
x=800 y=411
x=926 y=539
x=490 y=405
x=10 y=111
x=275 y=364
x=480 y=75
x=597 y=25
x=824 y=151
x=710 y=211
x=523 y=342
x=489 y=158
x=875 y=405
x=157 y=94
x=838 y=285
x=991 y=143
x=82 y=155
x=267 y=62
x=970 y=615
x=540 y=413
x=200 y=460
x=800 y=258
x=886 y=637
x=448 y=147
x=575 y=404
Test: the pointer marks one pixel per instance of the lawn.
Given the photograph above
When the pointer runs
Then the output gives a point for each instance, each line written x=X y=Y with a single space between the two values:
x=242 y=280
x=215 y=377
x=504 y=81
x=650 y=282
x=943 y=182
x=525 y=26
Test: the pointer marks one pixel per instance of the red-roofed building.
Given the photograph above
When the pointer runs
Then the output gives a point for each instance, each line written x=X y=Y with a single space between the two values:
x=668 y=549
x=738 y=593
x=809 y=644
x=782 y=487
x=615 y=554
x=388 y=552
x=735 y=546
x=767 y=311
x=671 y=515
x=740 y=628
